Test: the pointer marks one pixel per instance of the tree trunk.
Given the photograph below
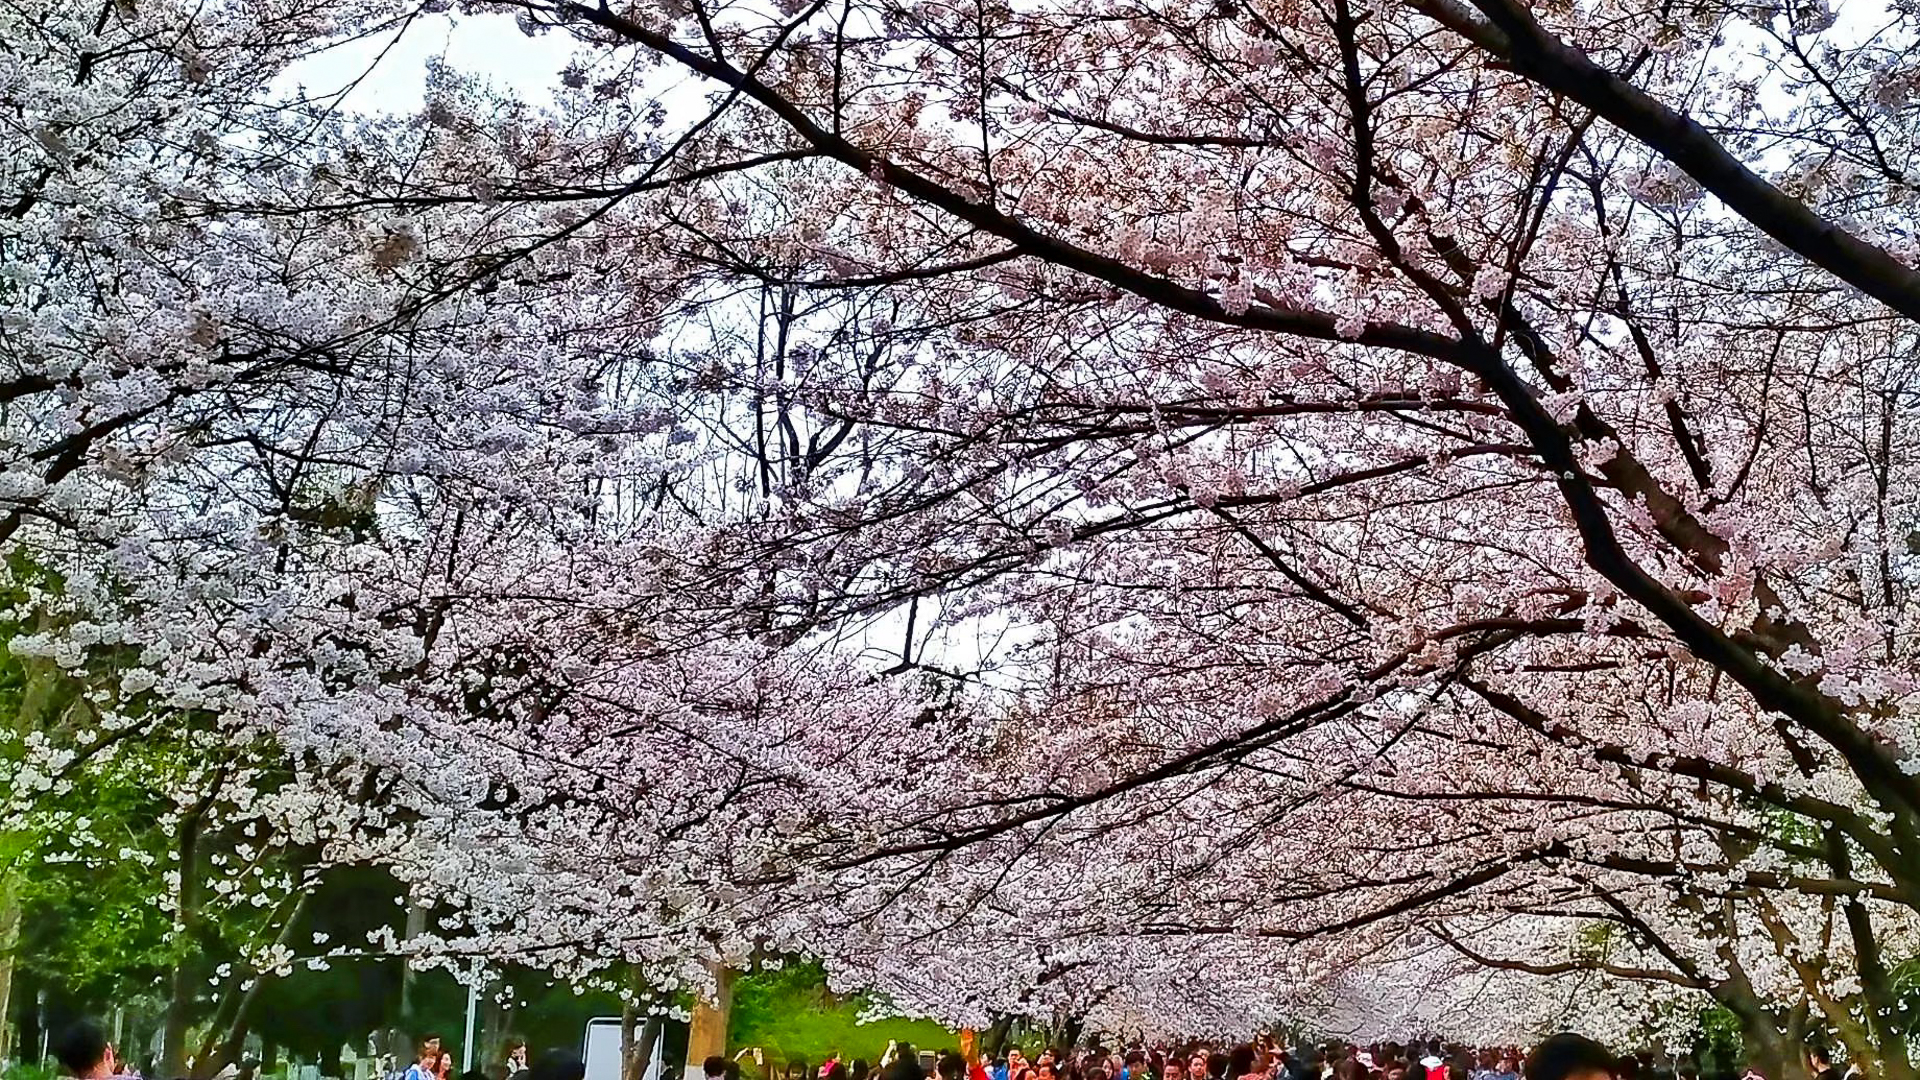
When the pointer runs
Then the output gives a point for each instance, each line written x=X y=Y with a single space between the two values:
x=416 y=925
x=638 y=1037
x=1886 y=1012
x=1070 y=1032
x=185 y=981
x=994 y=1040
x=40 y=682
x=9 y=943
x=1767 y=1048
x=226 y=1037
x=638 y=1033
x=707 y=1032
x=493 y=1027
x=27 y=990
x=173 y=1035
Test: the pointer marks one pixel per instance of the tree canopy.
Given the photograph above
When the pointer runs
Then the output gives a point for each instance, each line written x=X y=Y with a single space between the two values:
x=1020 y=503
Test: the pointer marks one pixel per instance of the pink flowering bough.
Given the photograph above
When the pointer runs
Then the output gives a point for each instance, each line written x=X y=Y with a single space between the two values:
x=1156 y=517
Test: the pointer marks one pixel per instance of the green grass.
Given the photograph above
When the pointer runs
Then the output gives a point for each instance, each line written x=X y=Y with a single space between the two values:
x=792 y=1016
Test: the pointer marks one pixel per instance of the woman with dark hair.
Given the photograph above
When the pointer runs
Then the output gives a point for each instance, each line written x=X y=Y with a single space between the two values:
x=906 y=1065
x=860 y=1069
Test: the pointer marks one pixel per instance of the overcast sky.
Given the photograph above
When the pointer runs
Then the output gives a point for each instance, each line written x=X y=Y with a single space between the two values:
x=394 y=63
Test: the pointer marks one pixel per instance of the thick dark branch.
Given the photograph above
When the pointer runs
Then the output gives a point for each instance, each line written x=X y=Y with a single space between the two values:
x=1512 y=34
x=1618 y=971
x=1299 y=322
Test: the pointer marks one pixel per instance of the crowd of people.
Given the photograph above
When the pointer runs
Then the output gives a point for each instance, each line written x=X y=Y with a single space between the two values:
x=1263 y=1059
x=435 y=1062
x=84 y=1053
x=1565 y=1056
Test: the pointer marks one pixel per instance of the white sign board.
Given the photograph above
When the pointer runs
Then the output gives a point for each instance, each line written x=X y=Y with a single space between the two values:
x=601 y=1051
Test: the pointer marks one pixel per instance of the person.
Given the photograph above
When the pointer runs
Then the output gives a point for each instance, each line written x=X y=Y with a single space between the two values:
x=83 y=1051
x=427 y=1061
x=861 y=1070
x=516 y=1052
x=1820 y=1063
x=906 y=1064
x=1567 y=1056
x=715 y=1067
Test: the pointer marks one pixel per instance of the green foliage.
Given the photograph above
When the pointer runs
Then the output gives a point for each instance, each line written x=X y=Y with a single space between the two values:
x=130 y=844
x=1595 y=941
x=89 y=867
x=25 y=1071
x=549 y=1013
x=1722 y=1049
x=1905 y=979
x=792 y=1015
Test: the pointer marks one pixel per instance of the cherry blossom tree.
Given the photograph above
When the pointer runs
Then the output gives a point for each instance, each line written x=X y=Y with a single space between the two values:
x=1049 y=497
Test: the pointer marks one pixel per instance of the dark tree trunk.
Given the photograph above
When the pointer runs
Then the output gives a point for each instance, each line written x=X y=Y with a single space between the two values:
x=185 y=978
x=27 y=989
x=994 y=1040
x=638 y=1032
x=1070 y=1032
